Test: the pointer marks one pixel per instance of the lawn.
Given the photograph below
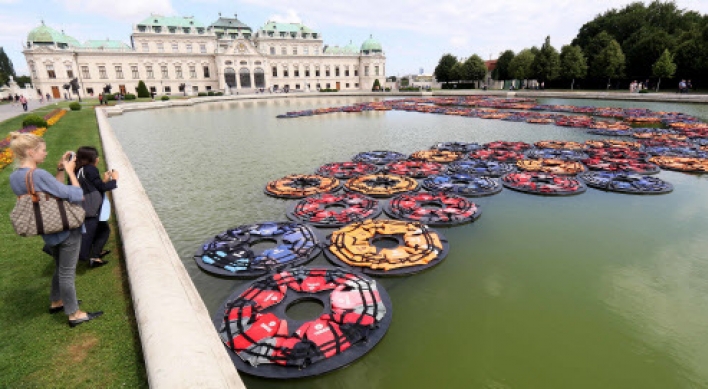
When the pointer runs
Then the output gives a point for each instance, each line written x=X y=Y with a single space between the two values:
x=40 y=350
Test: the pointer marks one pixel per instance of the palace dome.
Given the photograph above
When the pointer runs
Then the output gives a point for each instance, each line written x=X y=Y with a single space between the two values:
x=47 y=35
x=371 y=46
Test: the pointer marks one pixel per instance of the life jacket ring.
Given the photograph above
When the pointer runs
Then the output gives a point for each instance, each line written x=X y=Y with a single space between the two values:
x=621 y=165
x=414 y=169
x=345 y=170
x=414 y=247
x=659 y=135
x=508 y=146
x=463 y=184
x=540 y=120
x=682 y=164
x=478 y=167
x=334 y=210
x=685 y=152
x=262 y=340
x=381 y=185
x=438 y=156
x=549 y=165
x=434 y=209
x=297 y=186
x=616 y=153
x=231 y=253
x=561 y=154
x=665 y=143
x=379 y=157
x=558 y=144
x=611 y=132
x=457 y=147
x=624 y=182
x=543 y=183
x=600 y=125
x=590 y=144
x=506 y=156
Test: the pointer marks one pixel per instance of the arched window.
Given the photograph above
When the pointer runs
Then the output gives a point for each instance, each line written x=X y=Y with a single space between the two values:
x=245 y=77
x=230 y=77
x=259 y=77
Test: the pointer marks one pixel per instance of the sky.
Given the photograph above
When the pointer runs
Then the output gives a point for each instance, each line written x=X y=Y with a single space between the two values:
x=414 y=33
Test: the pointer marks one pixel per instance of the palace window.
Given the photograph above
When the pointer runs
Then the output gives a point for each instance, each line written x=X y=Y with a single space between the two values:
x=102 y=72
x=146 y=47
x=356 y=72
x=134 y=70
x=272 y=50
x=295 y=52
x=327 y=73
x=317 y=51
x=346 y=71
x=275 y=71
x=119 y=71
x=168 y=90
x=161 y=47
x=50 y=71
x=347 y=85
x=306 y=50
x=172 y=29
x=148 y=70
x=307 y=72
x=284 y=50
x=285 y=72
x=202 y=49
x=336 y=71
x=376 y=70
x=175 y=48
x=192 y=72
x=366 y=70
x=34 y=70
x=69 y=71
x=297 y=73
x=178 y=71
x=85 y=72
x=189 y=47
x=206 y=71
x=163 y=69
x=327 y=85
x=317 y=72
x=297 y=86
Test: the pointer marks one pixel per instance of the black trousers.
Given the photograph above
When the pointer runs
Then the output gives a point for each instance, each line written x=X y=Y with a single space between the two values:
x=95 y=237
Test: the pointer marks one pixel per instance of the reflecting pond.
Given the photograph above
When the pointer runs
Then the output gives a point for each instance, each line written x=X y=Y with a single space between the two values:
x=599 y=290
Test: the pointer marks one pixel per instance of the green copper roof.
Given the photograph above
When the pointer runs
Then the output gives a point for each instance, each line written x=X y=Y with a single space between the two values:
x=350 y=48
x=229 y=23
x=106 y=44
x=333 y=50
x=171 y=21
x=46 y=34
x=287 y=27
x=371 y=45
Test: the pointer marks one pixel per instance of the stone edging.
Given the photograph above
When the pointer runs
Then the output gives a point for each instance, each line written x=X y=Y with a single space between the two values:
x=180 y=345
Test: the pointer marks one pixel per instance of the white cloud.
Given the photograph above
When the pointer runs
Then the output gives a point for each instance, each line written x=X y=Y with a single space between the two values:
x=125 y=10
x=290 y=17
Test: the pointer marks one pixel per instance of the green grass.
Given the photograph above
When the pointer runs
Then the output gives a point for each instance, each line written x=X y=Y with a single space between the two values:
x=40 y=350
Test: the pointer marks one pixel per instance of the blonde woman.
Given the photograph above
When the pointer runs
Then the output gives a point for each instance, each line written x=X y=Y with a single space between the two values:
x=30 y=150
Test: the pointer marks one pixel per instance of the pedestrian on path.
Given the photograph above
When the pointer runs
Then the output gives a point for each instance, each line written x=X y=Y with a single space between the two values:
x=23 y=101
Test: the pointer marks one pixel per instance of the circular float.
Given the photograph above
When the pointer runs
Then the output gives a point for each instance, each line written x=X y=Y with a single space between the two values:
x=334 y=210
x=480 y=167
x=379 y=157
x=387 y=247
x=236 y=253
x=555 y=166
x=463 y=184
x=509 y=146
x=543 y=183
x=262 y=339
x=434 y=209
x=682 y=164
x=617 y=153
x=297 y=186
x=621 y=165
x=686 y=152
x=438 y=156
x=610 y=132
x=457 y=147
x=594 y=144
x=381 y=185
x=507 y=156
x=414 y=169
x=346 y=170
x=563 y=154
x=559 y=144
x=623 y=182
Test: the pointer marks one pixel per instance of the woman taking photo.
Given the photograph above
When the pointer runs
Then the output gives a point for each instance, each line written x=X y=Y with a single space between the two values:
x=30 y=150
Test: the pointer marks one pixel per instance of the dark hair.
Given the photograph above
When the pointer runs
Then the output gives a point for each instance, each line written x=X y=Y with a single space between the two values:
x=86 y=155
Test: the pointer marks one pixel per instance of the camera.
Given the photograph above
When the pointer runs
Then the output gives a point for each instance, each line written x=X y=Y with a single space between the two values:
x=71 y=156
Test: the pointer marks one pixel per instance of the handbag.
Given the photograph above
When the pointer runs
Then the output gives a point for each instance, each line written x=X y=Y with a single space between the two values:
x=92 y=197
x=40 y=213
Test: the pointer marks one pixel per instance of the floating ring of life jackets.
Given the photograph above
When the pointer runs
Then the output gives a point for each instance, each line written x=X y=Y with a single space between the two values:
x=346 y=170
x=550 y=153
x=682 y=164
x=296 y=186
x=623 y=182
x=555 y=166
x=387 y=247
x=232 y=252
x=435 y=155
x=543 y=183
x=635 y=166
x=414 y=169
x=434 y=209
x=478 y=167
x=381 y=185
x=334 y=210
x=379 y=157
x=459 y=147
x=463 y=184
x=264 y=341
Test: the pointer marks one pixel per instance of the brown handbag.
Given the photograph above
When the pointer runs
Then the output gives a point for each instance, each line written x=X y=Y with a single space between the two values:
x=40 y=213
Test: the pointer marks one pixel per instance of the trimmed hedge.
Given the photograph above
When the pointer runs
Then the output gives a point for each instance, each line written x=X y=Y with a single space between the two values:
x=34 y=120
x=130 y=96
x=165 y=98
x=75 y=106
x=329 y=90
x=201 y=94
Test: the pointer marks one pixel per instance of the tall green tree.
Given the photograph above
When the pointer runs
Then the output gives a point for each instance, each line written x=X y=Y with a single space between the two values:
x=572 y=63
x=6 y=68
x=664 y=67
x=142 y=89
x=457 y=73
x=474 y=68
x=546 y=64
x=502 y=69
x=521 y=67
x=443 y=72
x=609 y=63
x=594 y=47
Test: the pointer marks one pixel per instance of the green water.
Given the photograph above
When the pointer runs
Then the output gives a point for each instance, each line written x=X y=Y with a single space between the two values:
x=600 y=290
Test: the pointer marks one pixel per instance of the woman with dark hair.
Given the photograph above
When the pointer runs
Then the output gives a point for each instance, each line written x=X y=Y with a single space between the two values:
x=97 y=231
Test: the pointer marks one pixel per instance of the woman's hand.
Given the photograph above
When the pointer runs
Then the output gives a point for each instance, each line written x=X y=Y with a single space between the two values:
x=69 y=166
x=113 y=175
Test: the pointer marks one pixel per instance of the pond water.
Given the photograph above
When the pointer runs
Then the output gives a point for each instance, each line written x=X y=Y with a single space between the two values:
x=599 y=290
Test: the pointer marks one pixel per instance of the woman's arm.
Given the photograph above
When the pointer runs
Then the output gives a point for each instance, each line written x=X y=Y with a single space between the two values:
x=93 y=176
x=45 y=182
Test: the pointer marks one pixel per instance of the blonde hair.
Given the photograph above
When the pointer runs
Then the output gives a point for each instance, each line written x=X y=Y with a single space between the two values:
x=20 y=143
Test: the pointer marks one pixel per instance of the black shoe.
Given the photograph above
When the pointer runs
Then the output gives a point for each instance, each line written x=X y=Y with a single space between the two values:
x=104 y=253
x=59 y=309
x=94 y=263
x=89 y=316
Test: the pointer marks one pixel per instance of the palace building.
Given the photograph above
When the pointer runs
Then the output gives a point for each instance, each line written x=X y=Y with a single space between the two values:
x=171 y=54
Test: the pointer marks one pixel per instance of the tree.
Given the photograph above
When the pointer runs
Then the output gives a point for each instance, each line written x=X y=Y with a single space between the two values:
x=664 y=67
x=23 y=80
x=456 y=73
x=609 y=62
x=6 y=69
x=593 y=49
x=377 y=85
x=502 y=69
x=572 y=63
x=521 y=66
x=142 y=90
x=474 y=68
x=546 y=64
x=443 y=72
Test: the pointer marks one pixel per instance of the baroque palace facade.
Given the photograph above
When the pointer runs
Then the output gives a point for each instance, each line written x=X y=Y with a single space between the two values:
x=226 y=56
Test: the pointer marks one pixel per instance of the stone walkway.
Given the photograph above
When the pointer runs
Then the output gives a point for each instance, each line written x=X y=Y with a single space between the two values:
x=9 y=111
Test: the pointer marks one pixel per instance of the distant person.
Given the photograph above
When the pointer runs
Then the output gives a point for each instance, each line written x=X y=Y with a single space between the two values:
x=689 y=86
x=682 y=86
x=100 y=99
x=23 y=101
x=17 y=99
x=49 y=98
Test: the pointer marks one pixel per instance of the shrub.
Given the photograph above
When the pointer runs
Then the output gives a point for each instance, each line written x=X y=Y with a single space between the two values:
x=329 y=90
x=210 y=93
x=644 y=91
x=75 y=106
x=387 y=89
x=410 y=89
x=142 y=90
x=377 y=85
x=201 y=94
x=129 y=96
x=165 y=98
x=219 y=94
x=109 y=97
x=34 y=120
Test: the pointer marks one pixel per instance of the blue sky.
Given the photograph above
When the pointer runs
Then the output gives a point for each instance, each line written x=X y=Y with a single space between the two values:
x=414 y=33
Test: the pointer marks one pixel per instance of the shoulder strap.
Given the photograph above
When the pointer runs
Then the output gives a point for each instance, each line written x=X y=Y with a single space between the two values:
x=29 y=182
